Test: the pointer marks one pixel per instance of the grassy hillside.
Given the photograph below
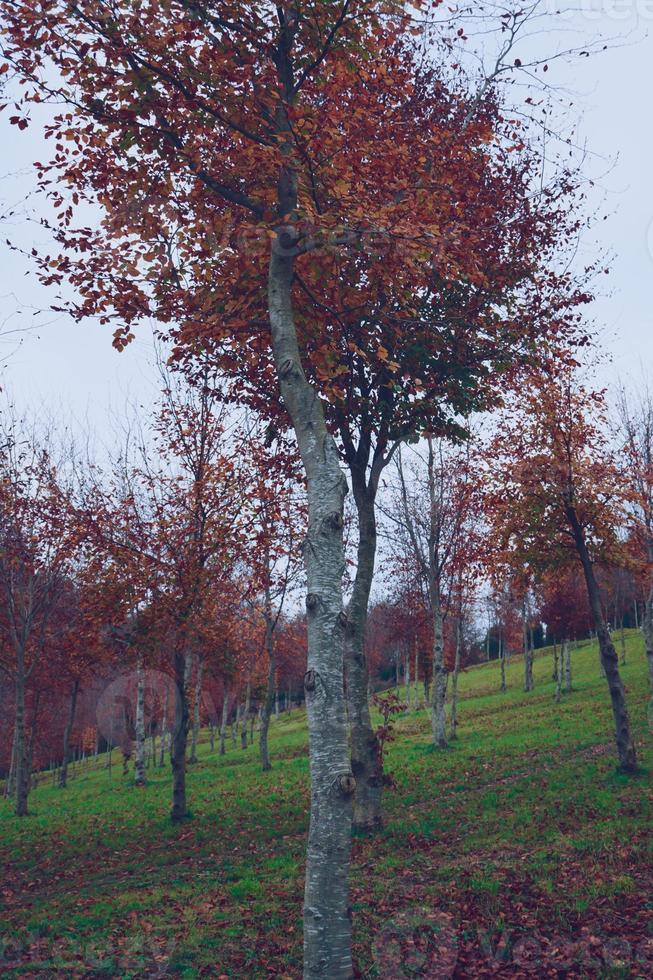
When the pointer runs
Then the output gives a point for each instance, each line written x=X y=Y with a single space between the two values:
x=516 y=852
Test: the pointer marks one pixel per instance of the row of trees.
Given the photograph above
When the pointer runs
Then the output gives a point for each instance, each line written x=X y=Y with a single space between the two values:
x=313 y=197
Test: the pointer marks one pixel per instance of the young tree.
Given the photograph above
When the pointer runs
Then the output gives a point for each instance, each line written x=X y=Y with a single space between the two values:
x=636 y=421
x=37 y=543
x=556 y=497
x=430 y=515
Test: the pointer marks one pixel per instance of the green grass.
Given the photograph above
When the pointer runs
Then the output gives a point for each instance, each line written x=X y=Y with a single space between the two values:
x=520 y=837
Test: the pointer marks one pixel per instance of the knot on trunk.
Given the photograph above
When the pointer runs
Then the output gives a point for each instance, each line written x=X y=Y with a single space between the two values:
x=312 y=601
x=334 y=521
x=286 y=369
x=310 y=680
x=346 y=783
x=342 y=619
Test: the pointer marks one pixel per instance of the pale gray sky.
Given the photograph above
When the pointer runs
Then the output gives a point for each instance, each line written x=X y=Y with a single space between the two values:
x=74 y=368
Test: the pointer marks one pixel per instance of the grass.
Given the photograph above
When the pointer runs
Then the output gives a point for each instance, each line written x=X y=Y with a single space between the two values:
x=518 y=850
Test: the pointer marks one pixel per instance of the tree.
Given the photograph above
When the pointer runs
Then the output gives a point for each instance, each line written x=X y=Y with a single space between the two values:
x=430 y=514
x=37 y=543
x=200 y=128
x=636 y=423
x=556 y=497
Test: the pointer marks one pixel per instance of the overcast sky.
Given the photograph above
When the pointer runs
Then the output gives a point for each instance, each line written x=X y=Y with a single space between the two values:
x=73 y=368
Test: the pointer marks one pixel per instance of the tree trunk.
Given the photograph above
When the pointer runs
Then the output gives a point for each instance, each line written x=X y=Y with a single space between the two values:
x=22 y=776
x=609 y=660
x=438 y=708
x=164 y=727
x=566 y=657
x=223 y=720
x=365 y=755
x=453 y=720
x=647 y=628
x=554 y=676
x=327 y=916
x=63 y=771
x=196 y=709
x=179 y=738
x=502 y=660
x=528 y=655
x=558 y=678
x=623 y=642
x=139 y=726
x=416 y=674
x=272 y=691
x=245 y=716
x=10 y=786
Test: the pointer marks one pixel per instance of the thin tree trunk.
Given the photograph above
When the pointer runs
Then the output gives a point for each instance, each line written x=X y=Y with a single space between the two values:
x=453 y=720
x=139 y=726
x=623 y=643
x=235 y=725
x=196 y=709
x=438 y=708
x=609 y=661
x=10 y=786
x=327 y=916
x=528 y=656
x=558 y=678
x=502 y=660
x=647 y=628
x=554 y=676
x=272 y=691
x=365 y=755
x=223 y=720
x=245 y=716
x=164 y=727
x=566 y=657
x=179 y=738
x=22 y=776
x=63 y=771
x=416 y=674
x=211 y=735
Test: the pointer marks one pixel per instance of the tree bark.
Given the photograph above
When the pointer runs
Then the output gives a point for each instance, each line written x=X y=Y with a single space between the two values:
x=438 y=708
x=179 y=738
x=22 y=776
x=416 y=674
x=365 y=756
x=566 y=657
x=453 y=720
x=327 y=917
x=63 y=771
x=139 y=726
x=502 y=659
x=272 y=691
x=164 y=727
x=609 y=661
x=223 y=720
x=196 y=709
x=10 y=786
x=528 y=655
x=245 y=716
